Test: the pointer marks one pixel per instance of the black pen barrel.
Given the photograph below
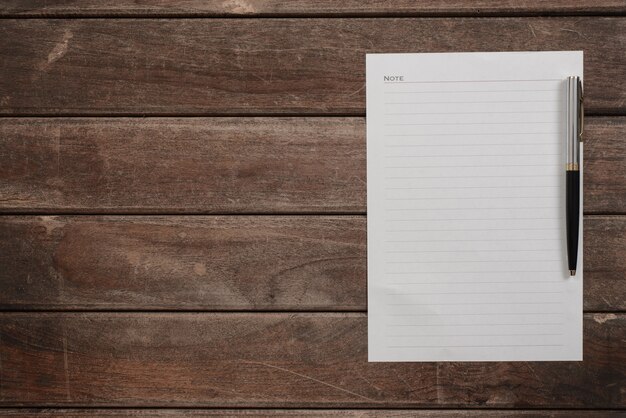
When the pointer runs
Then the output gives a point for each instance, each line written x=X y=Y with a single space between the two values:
x=572 y=218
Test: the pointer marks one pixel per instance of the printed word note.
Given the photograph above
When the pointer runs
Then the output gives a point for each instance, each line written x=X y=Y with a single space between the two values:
x=465 y=208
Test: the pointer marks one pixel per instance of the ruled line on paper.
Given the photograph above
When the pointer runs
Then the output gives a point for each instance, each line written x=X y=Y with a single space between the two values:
x=473 y=324
x=474 y=240
x=474 y=187
x=467 y=145
x=534 y=292
x=469 y=282
x=472 y=219
x=473 y=102
x=475 y=346
x=433 y=209
x=467 y=91
x=461 y=198
x=465 y=272
x=474 y=303
x=479 y=208
x=468 y=166
x=473 y=123
x=479 y=134
x=474 y=229
x=472 y=251
x=547 y=334
x=474 y=155
x=479 y=314
x=472 y=176
x=472 y=81
x=477 y=113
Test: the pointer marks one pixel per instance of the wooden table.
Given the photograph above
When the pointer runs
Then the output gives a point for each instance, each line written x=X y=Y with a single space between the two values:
x=182 y=189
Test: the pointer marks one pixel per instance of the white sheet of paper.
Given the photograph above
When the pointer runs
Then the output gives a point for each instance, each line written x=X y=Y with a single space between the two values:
x=465 y=205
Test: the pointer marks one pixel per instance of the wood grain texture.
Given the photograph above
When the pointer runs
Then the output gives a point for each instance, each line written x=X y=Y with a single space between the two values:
x=278 y=360
x=295 y=413
x=227 y=263
x=605 y=263
x=268 y=66
x=203 y=165
x=265 y=263
x=226 y=165
x=188 y=8
x=605 y=165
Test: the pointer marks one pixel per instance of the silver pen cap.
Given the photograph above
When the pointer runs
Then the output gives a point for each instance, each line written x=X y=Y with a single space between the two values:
x=574 y=124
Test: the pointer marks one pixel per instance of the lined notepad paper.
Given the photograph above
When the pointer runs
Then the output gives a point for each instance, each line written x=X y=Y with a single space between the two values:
x=465 y=201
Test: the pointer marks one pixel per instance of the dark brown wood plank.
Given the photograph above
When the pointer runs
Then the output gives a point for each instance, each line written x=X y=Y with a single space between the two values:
x=323 y=413
x=226 y=263
x=278 y=360
x=605 y=165
x=278 y=66
x=183 y=165
x=275 y=263
x=225 y=165
x=605 y=263
x=200 y=8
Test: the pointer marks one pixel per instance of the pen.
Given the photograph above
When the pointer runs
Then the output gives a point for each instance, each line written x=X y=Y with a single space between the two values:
x=572 y=181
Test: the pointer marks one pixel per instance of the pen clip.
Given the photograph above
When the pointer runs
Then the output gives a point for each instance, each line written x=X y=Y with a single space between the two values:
x=581 y=111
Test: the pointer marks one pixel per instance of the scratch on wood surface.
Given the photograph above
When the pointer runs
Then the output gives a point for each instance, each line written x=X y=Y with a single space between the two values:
x=199 y=269
x=57 y=149
x=357 y=91
x=602 y=318
x=574 y=31
x=313 y=262
x=533 y=372
x=238 y=6
x=371 y=384
x=532 y=30
x=66 y=367
x=304 y=376
x=1 y=375
x=50 y=223
x=59 y=50
x=323 y=240
x=407 y=384
x=439 y=391
x=56 y=273
x=239 y=50
x=265 y=81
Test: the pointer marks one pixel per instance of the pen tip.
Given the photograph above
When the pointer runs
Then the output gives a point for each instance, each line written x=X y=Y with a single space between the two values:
x=572 y=272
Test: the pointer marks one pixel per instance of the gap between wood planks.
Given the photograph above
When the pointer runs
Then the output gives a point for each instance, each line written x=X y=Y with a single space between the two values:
x=357 y=114
x=313 y=408
x=415 y=412
x=308 y=15
x=158 y=212
x=357 y=313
